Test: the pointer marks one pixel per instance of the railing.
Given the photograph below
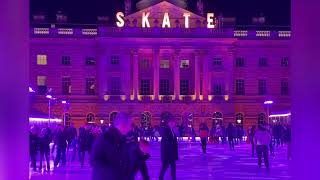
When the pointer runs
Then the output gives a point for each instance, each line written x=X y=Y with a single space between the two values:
x=159 y=32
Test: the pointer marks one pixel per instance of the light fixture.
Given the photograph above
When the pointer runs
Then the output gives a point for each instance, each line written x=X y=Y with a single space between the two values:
x=32 y=119
x=101 y=121
x=239 y=121
x=31 y=90
x=64 y=102
x=268 y=102
x=48 y=96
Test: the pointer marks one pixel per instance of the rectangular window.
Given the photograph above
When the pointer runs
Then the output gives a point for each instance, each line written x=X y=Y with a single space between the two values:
x=41 y=59
x=66 y=85
x=217 y=62
x=115 y=86
x=284 y=62
x=284 y=87
x=164 y=64
x=90 y=86
x=184 y=64
x=90 y=61
x=217 y=89
x=115 y=60
x=262 y=87
x=240 y=89
x=184 y=87
x=164 y=87
x=144 y=63
x=263 y=62
x=145 y=87
x=42 y=84
x=239 y=62
x=66 y=60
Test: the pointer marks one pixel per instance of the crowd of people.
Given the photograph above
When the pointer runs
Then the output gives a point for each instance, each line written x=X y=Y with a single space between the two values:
x=121 y=150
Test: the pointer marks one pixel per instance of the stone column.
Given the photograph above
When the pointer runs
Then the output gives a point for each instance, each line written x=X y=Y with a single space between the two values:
x=156 y=66
x=176 y=70
x=127 y=75
x=135 y=75
x=197 y=75
x=205 y=83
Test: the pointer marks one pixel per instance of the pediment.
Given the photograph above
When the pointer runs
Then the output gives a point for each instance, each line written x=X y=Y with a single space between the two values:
x=157 y=12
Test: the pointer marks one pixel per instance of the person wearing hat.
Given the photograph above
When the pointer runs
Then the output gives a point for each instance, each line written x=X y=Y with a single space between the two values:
x=169 y=149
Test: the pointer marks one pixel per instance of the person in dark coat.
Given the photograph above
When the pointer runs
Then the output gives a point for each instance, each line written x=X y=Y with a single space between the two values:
x=169 y=149
x=61 y=141
x=83 y=145
x=44 y=147
x=251 y=135
x=230 y=134
x=33 y=146
x=110 y=157
x=204 y=132
x=139 y=154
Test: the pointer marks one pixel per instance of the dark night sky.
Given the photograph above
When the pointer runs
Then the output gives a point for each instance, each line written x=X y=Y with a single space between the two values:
x=277 y=12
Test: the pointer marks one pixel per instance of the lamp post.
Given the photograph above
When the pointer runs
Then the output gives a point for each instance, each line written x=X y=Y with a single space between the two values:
x=268 y=104
x=49 y=97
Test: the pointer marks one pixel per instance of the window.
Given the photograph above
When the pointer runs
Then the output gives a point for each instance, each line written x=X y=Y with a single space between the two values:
x=66 y=60
x=115 y=86
x=90 y=86
x=217 y=62
x=261 y=119
x=263 y=62
x=239 y=119
x=239 y=62
x=144 y=63
x=146 y=120
x=184 y=64
x=145 y=88
x=164 y=64
x=184 y=87
x=284 y=62
x=90 y=61
x=67 y=119
x=90 y=118
x=66 y=85
x=42 y=84
x=41 y=59
x=240 y=90
x=217 y=89
x=262 y=87
x=164 y=87
x=284 y=87
x=115 y=60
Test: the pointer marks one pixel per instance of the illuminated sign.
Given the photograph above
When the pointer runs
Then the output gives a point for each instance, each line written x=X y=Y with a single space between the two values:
x=165 y=21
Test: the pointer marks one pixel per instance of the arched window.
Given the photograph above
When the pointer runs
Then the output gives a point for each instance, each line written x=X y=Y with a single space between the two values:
x=239 y=119
x=217 y=118
x=112 y=117
x=146 y=120
x=90 y=118
x=261 y=119
x=67 y=119
x=165 y=116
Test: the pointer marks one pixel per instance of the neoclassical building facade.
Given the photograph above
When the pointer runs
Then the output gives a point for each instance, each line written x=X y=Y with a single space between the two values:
x=196 y=74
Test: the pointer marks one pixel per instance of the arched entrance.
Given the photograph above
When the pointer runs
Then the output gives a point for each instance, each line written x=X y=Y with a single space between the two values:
x=217 y=119
x=165 y=116
x=112 y=117
x=239 y=119
x=90 y=118
x=145 y=120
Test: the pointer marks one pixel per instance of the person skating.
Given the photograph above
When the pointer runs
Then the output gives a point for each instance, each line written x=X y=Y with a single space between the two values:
x=262 y=139
x=230 y=134
x=44 y=142
x=61 y=141
x=251 y=135
x=169 y=150
x=204 y=131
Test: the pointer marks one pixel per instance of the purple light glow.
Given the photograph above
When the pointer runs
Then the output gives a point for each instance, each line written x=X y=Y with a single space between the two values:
x=31 y=90
x=39 y=120
x=49 y=96
x=280 y=115
x=64 y=102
